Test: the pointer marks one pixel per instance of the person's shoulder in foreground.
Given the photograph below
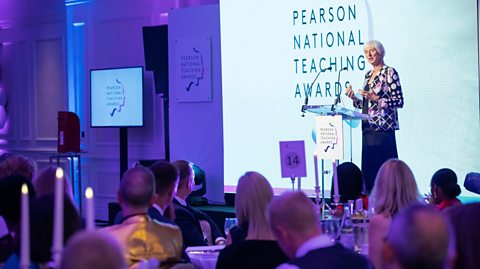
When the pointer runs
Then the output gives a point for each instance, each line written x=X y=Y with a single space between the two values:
x=335 y=256
x=261 y=254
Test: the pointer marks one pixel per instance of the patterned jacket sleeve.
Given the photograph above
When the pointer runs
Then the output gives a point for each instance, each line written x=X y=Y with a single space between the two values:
x=394 y=96
x=357 y=103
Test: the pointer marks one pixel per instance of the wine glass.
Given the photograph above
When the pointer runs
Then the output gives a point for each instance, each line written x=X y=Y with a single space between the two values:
x=229 y=224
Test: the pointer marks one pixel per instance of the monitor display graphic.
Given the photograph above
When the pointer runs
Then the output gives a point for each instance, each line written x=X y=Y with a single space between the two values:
x=116 y=97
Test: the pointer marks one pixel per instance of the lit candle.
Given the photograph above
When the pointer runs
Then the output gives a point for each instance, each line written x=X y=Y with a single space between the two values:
x=25 y=230
x=58 y=218
x=336 y=196
x=315 y=162
x=90 y=216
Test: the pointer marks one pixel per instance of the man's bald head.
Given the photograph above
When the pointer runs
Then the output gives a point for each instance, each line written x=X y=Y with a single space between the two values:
x=421 y=237
x=137 y=187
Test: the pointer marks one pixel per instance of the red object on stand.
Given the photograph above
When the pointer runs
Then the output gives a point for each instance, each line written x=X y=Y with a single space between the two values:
x=68 y=132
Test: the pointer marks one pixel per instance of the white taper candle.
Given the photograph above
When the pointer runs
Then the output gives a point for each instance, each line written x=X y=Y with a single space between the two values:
x=58 y=218
x=315 y=162
x=89 y=210
x=25 y=230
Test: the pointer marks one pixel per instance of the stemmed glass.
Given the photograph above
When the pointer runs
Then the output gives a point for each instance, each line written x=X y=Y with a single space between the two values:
x=229 y=224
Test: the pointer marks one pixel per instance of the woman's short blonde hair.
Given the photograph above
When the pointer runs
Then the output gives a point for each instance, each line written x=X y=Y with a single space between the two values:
x=395 y=188
x=377 y=45
x=253 y=196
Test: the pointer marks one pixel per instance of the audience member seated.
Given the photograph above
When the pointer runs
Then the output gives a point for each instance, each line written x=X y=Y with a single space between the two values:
x=13 y=164
x=92 y=250
x=445 y=189
x=259 y=250
x=395 y=188
x=41 y=230
x=419 y=237
x=166 y=183
x=198 y=229
x=294 y=223
x=10 y=193
x=465 y=220
x=350 y=184
x=472 y=182
x=44 y=182
x=141 y=237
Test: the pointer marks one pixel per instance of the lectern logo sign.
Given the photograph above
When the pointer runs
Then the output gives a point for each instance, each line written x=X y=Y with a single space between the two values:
x=329 y=137
x=329 y=131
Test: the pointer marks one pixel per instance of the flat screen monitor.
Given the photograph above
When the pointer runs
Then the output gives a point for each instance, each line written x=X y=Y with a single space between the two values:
x=116 y=97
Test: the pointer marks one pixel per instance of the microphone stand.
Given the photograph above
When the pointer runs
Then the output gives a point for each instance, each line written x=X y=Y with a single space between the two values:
x=311 y=85
x=337 y=99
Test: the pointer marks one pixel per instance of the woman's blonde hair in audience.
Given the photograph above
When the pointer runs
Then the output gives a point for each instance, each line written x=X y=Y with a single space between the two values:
x=253 y=196
x=44 y=182
x=395 y=188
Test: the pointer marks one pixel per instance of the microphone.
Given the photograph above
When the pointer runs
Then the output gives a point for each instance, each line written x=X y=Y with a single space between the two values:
x=337 y=99
x=311 y=85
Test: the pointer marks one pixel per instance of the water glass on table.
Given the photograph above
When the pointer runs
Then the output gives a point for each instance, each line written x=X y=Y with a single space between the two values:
x=331 y=227
x=229 y=224
x=360 y=227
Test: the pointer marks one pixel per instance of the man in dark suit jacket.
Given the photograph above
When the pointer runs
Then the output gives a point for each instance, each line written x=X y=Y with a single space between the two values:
x=166 y=182
x=300 y=237
x=188 y=218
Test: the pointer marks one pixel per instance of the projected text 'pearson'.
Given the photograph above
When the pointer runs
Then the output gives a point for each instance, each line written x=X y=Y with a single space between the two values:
x=324 y=15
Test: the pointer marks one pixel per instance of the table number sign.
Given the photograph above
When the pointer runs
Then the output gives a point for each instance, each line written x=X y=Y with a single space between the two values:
x=292 y=158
